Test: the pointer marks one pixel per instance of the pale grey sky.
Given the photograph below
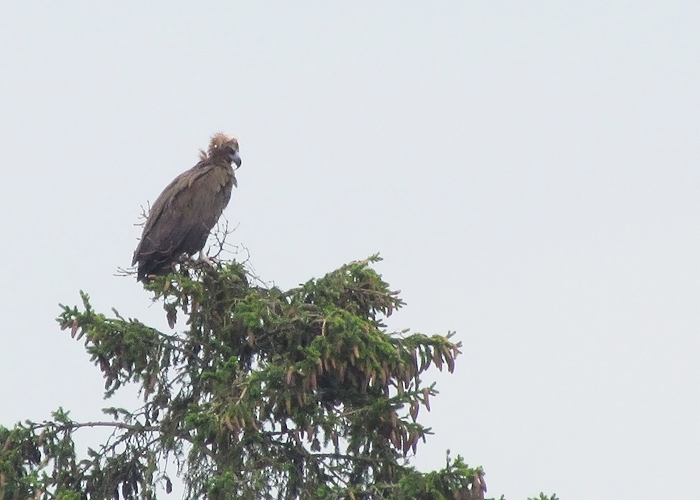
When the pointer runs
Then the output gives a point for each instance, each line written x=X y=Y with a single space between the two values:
x=529 y=172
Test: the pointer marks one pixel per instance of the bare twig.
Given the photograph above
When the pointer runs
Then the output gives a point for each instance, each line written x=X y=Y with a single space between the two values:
x=78 y=425
x=220 y=235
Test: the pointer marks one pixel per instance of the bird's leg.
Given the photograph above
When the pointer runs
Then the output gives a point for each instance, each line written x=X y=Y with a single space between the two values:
x=203 y=258
x=206 y=259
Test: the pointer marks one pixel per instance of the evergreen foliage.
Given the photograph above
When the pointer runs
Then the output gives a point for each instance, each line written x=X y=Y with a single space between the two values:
x=263 y=394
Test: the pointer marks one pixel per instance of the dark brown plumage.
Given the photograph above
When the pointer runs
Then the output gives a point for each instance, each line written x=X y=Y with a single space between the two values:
x=181 y=218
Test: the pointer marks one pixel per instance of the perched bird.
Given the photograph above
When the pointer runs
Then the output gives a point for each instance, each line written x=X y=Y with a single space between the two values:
x=181 y=218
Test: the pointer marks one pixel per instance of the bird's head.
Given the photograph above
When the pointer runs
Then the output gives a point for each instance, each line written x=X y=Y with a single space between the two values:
x=222 y=144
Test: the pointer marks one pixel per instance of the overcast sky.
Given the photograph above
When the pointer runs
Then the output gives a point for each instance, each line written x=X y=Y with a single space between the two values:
x=528 y=172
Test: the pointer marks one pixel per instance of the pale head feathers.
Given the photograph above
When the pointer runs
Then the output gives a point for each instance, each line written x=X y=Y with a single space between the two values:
x=218 y=142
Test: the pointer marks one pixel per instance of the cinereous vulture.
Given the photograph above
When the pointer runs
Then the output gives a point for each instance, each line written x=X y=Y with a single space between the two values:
x=181 y=218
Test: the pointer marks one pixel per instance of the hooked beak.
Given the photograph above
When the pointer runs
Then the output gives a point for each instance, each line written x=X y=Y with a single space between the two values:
x=235 y=158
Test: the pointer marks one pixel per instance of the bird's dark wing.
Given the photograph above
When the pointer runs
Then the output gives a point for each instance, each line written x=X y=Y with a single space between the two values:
x=182 y=216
